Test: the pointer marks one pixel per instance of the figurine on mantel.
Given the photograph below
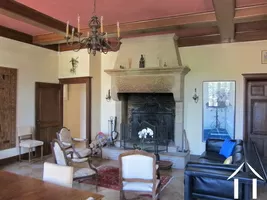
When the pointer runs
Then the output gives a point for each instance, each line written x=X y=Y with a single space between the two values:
x=142 y=62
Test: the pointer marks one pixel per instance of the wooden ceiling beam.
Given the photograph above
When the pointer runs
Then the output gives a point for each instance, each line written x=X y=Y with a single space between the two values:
x=15 y=35
x=22 y=37
x=141 y=27
x=26 y=14
x=199 y=40
x=225 y=12
x=251 y=36
x=251 y=14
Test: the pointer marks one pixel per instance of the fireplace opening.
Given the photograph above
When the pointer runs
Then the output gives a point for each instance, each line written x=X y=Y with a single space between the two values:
x=157 y=109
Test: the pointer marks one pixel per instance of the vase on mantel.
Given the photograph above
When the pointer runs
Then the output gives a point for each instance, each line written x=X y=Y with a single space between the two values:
x=142 y=62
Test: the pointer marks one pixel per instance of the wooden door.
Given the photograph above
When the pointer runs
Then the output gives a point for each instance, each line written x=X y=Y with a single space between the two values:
x=48 y=112
x=256 y=115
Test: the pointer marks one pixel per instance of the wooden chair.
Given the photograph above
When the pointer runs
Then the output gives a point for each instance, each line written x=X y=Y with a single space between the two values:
x=58 y=174
x=25 y=137
x=66 y=159
x=64 y=136
x=138 y=173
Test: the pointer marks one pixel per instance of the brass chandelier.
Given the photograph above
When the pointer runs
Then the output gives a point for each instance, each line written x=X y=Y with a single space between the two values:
x=95 y=40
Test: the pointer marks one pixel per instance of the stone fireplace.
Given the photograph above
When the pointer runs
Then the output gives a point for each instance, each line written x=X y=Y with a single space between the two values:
x=155 y=93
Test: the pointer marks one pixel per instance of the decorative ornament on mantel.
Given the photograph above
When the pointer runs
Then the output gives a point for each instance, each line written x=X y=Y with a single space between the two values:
x=95 y=40
x=74 y=62
x=142 y=62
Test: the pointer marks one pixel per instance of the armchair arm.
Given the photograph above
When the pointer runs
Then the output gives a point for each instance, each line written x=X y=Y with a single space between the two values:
x=219 y=173
x=211 y=166
x=79 y=139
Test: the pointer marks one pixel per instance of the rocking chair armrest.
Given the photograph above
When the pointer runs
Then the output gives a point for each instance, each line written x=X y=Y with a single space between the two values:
x=66 y=145
x=79 y=139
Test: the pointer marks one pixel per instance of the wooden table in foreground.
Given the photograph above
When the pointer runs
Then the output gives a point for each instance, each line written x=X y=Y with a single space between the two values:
x=14 y=186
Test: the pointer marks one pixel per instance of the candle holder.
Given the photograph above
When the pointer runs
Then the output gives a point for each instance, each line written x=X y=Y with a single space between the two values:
x=108 y=96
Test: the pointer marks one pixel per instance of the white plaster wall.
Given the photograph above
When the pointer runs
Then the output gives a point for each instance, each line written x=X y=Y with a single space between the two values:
x=95 y=72
x=107 y=108
x=65 y=64
x=74 y=113
x=34 y=64
x=83 y=111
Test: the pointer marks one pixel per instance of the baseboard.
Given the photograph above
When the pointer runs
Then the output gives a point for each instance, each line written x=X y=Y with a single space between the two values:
x=12 y=159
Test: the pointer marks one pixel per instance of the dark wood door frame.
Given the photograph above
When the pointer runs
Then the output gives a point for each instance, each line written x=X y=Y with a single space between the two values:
x=88 y=81
x=247 y=78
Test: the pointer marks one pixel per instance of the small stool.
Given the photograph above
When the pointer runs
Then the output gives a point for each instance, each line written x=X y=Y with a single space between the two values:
x=26 y=141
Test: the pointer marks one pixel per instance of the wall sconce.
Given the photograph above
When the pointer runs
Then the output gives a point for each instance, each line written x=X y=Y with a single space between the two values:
x=108 y=96
x=195 y=97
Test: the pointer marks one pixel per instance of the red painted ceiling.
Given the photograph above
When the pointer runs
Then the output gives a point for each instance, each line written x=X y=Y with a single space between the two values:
x=113 y=10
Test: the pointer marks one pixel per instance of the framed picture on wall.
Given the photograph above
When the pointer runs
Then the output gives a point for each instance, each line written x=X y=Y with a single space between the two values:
x=264 y=57
x=218 y=119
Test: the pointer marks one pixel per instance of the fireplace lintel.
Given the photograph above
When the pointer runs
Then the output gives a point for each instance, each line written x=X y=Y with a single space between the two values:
x=148 y=80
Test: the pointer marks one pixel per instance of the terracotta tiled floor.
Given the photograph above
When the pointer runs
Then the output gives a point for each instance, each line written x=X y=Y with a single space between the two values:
x=174 y=191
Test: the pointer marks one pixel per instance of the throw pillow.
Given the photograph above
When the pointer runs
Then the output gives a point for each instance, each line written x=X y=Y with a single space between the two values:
x=227 y=148
x=228 y=160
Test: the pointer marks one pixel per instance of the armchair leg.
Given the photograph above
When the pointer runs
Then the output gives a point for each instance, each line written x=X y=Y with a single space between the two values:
x=122 y=197
x=42 y=153
x=30 y=151
x=19 y=154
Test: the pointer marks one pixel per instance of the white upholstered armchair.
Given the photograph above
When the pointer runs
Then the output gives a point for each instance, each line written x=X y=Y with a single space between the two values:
x=65 y=159
x=64 y=136
x=138 y=173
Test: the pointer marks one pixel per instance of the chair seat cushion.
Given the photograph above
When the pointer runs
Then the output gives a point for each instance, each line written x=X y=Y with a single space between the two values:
x=139 y=186
x=31 y=143
x=84 y=172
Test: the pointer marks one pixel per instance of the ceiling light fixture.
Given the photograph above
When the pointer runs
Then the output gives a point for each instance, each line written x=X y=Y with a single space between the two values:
x=95 y=40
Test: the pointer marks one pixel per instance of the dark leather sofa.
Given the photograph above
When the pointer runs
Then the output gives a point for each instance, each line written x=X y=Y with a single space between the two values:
x=207 y=178
x=213 y=146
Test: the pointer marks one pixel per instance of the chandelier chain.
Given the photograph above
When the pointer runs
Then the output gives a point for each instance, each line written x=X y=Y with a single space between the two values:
x=94 y=6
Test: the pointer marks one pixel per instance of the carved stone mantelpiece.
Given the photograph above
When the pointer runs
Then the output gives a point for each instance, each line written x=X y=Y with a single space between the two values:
x=148 y=80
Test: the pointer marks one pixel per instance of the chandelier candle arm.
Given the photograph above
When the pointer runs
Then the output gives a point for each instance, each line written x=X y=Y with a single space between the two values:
x=101 y=22
x=72 y=34
x=78 y=23
x=67 y=29
x=118 y=29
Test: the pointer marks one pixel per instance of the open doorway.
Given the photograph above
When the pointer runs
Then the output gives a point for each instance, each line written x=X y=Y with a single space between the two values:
x=74 y=109
x=77 y=106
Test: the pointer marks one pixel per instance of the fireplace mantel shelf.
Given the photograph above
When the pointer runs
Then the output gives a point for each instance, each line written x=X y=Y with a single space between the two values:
x=150 y=71
x=148 y=80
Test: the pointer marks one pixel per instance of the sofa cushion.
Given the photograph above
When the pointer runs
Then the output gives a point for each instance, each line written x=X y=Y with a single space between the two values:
x=227 y=148
x=238 y=158
x=228 y=160
x=214 y=145
x=211 y=157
